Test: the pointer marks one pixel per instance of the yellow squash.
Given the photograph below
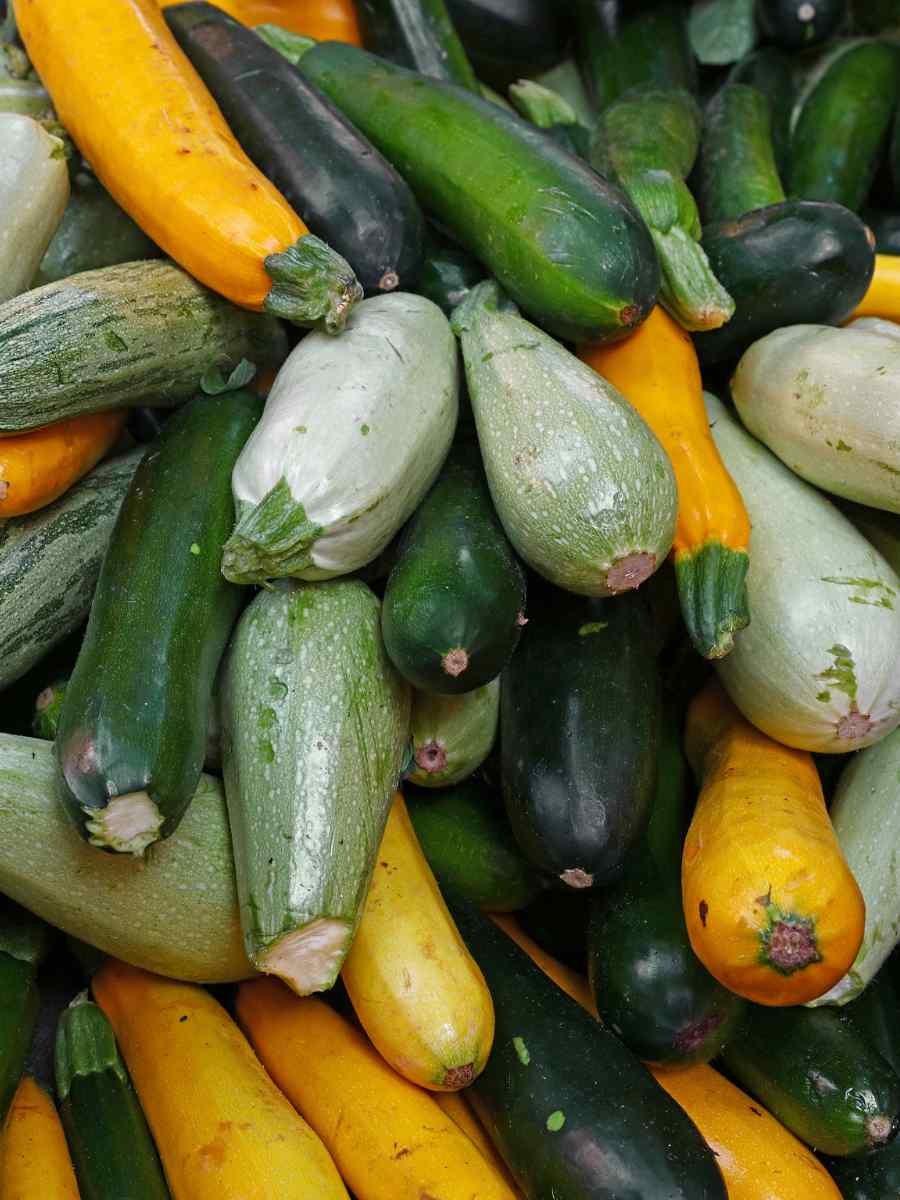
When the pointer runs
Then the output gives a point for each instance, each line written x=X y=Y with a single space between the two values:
x=883 y=296
x=656 y=370
x=155 y=138
x=324 y=20
x=34 y=1157
x=389 y=1138
x=223 y=1129
x=771 y=907
x=456 y=1107
x=417 y=991
x=38 y=467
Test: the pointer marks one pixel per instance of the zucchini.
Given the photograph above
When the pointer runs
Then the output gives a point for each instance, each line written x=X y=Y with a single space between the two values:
x=824 y=401
x=827 y=683
x=818 y=1076
x=485 y=173
x=471 y=849
x=127 y=335
x=549 y=111
x=799 y=24
x=584 y=490
x=737 y=163
x=454 y=604
x=885 y=227
x=770 y=71
x=566 y=82
x=132 y=734
x=47 y=709
x=570 y=1109
x=448 y=272
x=109 y=1139
x=507 y=40
x=558 y=922
x=841 y=123
x=649 y=986
x=353 y=435
x=34 y=188
x=331 y=176
x=418 y=34
x=315 y=723
x=93 y=233
x=579 y=728
x=50 y=561
x=452 y=735
x=24 y=942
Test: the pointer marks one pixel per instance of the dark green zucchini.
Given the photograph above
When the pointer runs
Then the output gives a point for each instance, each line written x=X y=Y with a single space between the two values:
x=770 y=71
x=133 y=731
x=454 y=604
x=842 y=124
x=506 y=39
x=330 y=174
x=818 y=1076
x=570 y=1109
x=470 y=847
x=448 y=272
x=875 y=16
x=799 y=24
x=738 y=172
x=885 y=228
x=112 y=1150
x=558 y=921
x=649 y=986
x=418 y=34
x=486 y=174
x=24 y=941
x=579 y=727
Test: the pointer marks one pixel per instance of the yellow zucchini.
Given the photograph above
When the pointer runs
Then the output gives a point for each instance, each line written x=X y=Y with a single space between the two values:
x=34 y=1157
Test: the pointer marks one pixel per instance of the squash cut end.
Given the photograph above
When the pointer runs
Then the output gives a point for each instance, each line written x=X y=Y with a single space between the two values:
x=630 y=572
x=128 y=824
x=309 y=959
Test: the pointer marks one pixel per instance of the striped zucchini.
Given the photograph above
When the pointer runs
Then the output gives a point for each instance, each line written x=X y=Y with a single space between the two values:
x=315 y=725
x=24 y=940
x=34 y=188
x=132 y=334
x=49 y=563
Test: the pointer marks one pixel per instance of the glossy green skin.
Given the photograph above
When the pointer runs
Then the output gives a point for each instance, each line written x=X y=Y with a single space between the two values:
x=886 y=228
x=770 y=71
x=842 y=124
x=621 y=1135
x=800 y=262
x=737 y=162
x=448 y=273
x=470 y=847
x=779 y=22
x=18 y=1013
x=456 y=584
x=584 y=267
x=136 y=711
x=579 y=729
x=817 y=1076
x=418 y=34
x=509 y=39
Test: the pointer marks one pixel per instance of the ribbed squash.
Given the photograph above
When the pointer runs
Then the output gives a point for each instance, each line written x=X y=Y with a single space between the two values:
x=34 y=1157
x=388 y=1137
x=416 y=989
x=656 y=370
x=771 y=907
x=883 y=297
x=222 y=1127
x=324 y=20
x=156 y=140
x=37 y=468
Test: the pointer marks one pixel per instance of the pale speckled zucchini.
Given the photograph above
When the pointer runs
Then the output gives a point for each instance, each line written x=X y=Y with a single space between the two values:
x=582 y=487
x=132 y=334
x=315 y=726
x=49 y=563
x=34 y=188
x=452 y=735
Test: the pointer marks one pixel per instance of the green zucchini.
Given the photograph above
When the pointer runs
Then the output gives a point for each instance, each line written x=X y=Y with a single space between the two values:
x=579 y=728
x=133 y=334
x=133 y=730
x=24 y=942
x=418 y=34
x=452 y=735
x=648 y=142
x=817 y=1076
x=770 y=71
x=470 y=847
x=20 y=89
x=110 y=1142
x=885 y=227
x=485 y=174
x=50 y=561
x=514 y=38
x=582 y=487
x=315 y=725
x=799 y=24
x=570 y=1109
x=454 y=604
x=566 y=81
x=649 y=986
x=841 y=124
x=737 y=161
x=34 y=188
x=448 y=272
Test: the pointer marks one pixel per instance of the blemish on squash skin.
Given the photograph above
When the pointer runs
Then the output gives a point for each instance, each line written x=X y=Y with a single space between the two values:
x=704 y=909
x=212 y=1155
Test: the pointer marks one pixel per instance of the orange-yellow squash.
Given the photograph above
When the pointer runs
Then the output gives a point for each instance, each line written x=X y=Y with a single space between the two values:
x=38 y=467
x=456 y=1107
x=656 y=370
x=222 y=1127
x=771 y=907
x=155 y=138
x=417 y=991
x=34 y=1157
x=883 y=296
x=324 y=20
x=389 y=1138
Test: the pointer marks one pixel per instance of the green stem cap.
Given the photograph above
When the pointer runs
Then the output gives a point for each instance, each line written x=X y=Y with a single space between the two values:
x=312 y=285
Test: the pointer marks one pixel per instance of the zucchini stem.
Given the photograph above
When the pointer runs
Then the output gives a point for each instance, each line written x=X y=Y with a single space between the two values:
x=128 y=824
x=309 y=959
x=312 y=285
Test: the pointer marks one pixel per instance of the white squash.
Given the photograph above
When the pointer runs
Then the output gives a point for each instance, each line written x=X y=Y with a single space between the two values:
x=34 y=190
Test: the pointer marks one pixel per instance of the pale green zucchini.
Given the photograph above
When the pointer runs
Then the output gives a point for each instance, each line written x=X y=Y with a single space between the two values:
x=876 y=325
x=584 y=490
x=315 y=727
x=452 y=735
x=132 y=334
x=816 y=668
x=825 y=401
x=50 y=561
x=34 y=188
x=175 y=912
x=354 y=432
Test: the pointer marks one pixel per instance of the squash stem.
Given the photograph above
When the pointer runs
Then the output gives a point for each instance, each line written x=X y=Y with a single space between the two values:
x=713 y=594
x=128 y=824
x=308 y=959
x=271 y=540
x=312 y=285
x=85 y=1045
x=689 y=291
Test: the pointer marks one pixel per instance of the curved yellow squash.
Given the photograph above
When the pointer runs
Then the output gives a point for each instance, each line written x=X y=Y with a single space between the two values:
x=883 y=296
x=38 y=467
x=324 y=20
x=34 y=1157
